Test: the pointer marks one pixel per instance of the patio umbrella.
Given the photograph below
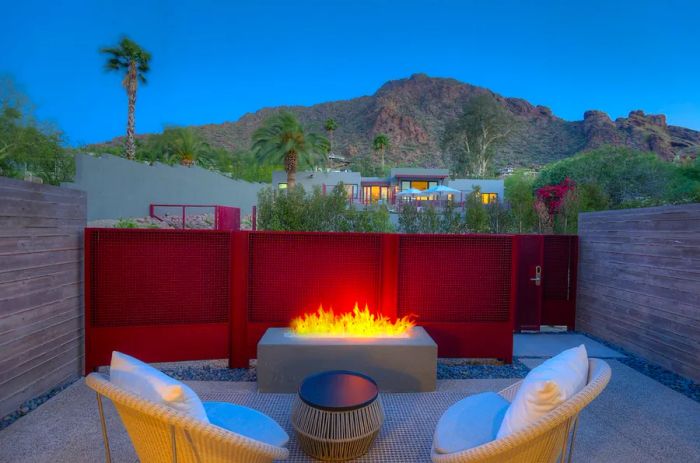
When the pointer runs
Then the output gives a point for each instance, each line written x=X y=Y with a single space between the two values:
x=409 y=192
x=439 y=190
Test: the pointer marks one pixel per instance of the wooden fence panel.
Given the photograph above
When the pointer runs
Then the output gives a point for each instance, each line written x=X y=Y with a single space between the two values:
x=41 y=303
x=639 y=283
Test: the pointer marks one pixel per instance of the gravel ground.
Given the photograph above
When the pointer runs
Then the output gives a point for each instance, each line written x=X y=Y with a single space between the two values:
x=217 y=370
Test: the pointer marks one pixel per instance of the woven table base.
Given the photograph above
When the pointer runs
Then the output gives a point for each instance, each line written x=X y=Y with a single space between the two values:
x=336 y=435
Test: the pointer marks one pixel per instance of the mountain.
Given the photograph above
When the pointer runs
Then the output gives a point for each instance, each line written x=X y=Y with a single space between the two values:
x=414 y=112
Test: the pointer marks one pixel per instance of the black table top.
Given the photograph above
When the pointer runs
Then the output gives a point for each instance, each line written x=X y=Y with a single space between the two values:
x=338 y=390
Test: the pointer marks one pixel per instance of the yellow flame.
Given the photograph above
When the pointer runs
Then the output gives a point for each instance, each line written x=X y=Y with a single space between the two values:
x=358 y=323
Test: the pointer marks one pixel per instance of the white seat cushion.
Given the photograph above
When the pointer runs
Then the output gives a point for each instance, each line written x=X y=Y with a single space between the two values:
x=545 y=388
x=470 y=422
x=246 y=422
x=142 y=379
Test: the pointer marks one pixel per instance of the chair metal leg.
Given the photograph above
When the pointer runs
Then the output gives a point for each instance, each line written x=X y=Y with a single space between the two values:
x=108 y=454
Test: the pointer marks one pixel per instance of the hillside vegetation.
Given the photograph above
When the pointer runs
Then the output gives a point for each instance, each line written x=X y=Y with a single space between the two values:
x=415 y=112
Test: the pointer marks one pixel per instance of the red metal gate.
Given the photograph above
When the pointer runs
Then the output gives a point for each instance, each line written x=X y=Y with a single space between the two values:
x=547 y=268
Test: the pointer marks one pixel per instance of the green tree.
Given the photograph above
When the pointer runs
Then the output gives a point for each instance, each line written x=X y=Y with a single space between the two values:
x=246 y=166
x=380 y=144
x=451 y=220
x=470 y=141
x=625 y=176
x=282 y=139
x=366 y=166
x=519 y=194
x=27 y=146
x=128 y=57
x=477 y=219
x=429 y=220
x=409 y=219
x=583 y=198
x=500 y=218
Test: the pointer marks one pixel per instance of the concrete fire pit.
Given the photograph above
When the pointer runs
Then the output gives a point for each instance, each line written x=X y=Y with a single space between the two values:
x=397 y=364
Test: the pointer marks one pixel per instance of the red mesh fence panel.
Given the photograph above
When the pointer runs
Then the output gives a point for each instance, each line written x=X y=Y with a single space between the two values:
x=557 y=271
x=292 y=273
x=455 y=278
x=159 y=277
x=228 y=218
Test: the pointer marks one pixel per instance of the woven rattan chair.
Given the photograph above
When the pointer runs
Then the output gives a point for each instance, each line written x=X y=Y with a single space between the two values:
x=548 y=439
x=161 y=434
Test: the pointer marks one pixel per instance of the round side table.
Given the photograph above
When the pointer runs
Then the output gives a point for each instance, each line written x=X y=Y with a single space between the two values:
x=337 y=415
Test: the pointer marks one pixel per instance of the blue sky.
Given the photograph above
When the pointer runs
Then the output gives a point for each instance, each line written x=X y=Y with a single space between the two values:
x=214 y=61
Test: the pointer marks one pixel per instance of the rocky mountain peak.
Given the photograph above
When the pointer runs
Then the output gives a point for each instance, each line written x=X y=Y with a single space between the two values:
x=414 y=112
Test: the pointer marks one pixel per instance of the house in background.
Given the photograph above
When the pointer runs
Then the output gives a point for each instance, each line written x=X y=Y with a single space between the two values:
x=384 y=190
x=491 y=190
x=326 y=180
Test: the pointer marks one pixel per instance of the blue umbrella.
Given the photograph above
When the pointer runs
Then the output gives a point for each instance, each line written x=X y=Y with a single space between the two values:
x=439 y=190
x=409 y=192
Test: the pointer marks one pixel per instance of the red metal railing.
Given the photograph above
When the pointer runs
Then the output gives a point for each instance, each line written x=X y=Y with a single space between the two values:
x=225 y=217
x=167 y=295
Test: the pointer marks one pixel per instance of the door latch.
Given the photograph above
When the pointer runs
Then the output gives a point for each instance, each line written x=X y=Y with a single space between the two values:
x=538 y=276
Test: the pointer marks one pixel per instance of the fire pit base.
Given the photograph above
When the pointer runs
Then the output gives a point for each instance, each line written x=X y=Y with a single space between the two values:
x=396 y=364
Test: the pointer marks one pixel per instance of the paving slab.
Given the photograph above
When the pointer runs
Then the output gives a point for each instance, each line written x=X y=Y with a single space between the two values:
x=662 y=424
x=548 y=345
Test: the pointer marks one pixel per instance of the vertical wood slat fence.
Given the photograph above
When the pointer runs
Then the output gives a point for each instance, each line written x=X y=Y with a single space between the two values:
x=639 y=282
x=41 y=310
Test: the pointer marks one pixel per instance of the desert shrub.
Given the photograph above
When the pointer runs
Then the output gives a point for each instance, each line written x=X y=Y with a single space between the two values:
x=519 y=195
x=452 y=220
x=296 y=210
x=409 y=217
x=126 y=223
x=429 y=220
x=477 y=219
x=623 y=175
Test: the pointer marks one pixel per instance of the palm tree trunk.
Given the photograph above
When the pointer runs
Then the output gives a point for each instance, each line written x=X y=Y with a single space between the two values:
x=131 y=117
x=290 y=165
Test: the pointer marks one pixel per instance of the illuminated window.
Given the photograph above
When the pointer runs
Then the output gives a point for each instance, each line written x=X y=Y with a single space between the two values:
x=351 y=190
x=282 y=186
x=374 y=193
x=405 y=185
x=419 y=185
x=489 y=198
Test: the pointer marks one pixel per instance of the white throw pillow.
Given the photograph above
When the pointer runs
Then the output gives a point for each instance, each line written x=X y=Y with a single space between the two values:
x=142 y=379
x=545 y=388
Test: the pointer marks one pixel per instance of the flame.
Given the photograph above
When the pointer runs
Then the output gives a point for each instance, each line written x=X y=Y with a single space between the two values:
x=358 y=324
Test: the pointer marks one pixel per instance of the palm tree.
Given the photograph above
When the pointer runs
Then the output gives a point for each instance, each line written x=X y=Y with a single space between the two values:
x=187 y=146
x=281 y=138
x=133 y=60
x=381 y=144
x=330 y=125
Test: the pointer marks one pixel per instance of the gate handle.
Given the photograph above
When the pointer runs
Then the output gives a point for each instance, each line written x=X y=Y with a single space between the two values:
x=538 y=276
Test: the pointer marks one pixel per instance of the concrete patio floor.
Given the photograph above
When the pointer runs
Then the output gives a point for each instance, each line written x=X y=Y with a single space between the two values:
x=636 y=419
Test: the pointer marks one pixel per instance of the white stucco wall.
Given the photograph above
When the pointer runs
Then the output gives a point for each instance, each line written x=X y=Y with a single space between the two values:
x=117 y=187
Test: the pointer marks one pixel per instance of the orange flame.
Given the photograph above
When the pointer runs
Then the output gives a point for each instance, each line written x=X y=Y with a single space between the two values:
x=357 y=324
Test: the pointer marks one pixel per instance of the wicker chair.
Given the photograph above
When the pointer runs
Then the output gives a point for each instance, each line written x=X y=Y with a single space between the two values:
x=549 y=439
x=161 y=434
